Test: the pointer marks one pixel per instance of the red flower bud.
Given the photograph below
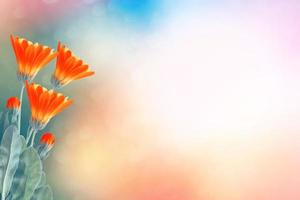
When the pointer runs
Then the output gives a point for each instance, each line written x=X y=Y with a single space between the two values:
x=48 y=139
x=13 y=103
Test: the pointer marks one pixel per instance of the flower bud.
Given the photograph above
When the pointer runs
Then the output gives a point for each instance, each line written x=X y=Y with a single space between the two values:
x=13 y=103
x=47 y=141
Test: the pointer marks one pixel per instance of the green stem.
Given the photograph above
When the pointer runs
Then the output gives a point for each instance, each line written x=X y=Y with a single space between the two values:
x=20 y=110
x=29 y=133
x=33 y=137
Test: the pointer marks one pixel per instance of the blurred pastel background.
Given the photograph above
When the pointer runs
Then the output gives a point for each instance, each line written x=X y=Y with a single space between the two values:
x=192 y=99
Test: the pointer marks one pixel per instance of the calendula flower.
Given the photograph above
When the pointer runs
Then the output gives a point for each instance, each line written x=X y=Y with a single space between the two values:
x=13 y=103
x=30 y=57
x=46 y=143
x=68 y=68
x=47 y=139
x=44 y=104
x=13 y=108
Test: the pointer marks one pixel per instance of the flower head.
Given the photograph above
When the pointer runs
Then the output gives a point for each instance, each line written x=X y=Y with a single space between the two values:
x=46 y=143
x=44 y=104
x=13 y=103
x=68 y=68
x=30 y=57
x=47 y=139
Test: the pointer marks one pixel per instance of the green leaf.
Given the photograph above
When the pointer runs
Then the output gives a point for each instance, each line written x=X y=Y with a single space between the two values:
x=42 y=181
x=6 y=122
x=42 y=193
x=10 y=150
x=28 y=175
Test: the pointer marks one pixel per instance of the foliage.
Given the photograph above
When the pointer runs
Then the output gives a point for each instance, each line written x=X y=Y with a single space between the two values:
x=21 y=159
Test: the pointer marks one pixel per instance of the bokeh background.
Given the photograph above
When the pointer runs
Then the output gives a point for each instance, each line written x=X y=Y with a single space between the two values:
x=192 y=100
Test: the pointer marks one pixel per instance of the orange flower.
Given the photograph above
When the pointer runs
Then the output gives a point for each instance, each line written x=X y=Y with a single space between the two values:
x=30 y=57
x=68 y=68
x=13 y=103
x=47 y=139
x=44 y=104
